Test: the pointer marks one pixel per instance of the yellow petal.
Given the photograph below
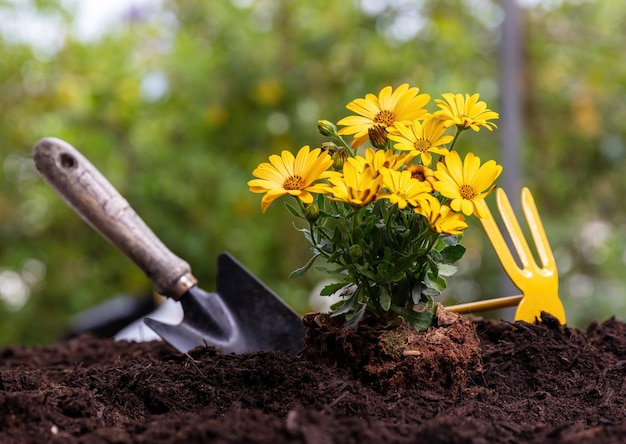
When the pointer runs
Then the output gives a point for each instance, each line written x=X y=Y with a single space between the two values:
x=470 y=167
x=486 y=175
x=270 y=197
x=363 y=107
x=455 y=167
x=467 y=207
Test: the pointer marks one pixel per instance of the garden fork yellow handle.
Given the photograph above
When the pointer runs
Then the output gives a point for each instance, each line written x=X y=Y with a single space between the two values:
x=539 y=285
x=486 y=305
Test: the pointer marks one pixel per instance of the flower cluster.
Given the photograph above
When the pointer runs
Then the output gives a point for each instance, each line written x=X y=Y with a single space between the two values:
x=387 y=218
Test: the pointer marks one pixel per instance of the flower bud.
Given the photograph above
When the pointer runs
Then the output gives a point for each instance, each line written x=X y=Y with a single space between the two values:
x=326 y=128
x=339 y=158
x=378 y=136
x=329 y=146
x=311 y=212
x=355 y=251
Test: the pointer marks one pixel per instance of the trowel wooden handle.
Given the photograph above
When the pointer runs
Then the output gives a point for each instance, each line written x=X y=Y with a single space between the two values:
x=94 y=199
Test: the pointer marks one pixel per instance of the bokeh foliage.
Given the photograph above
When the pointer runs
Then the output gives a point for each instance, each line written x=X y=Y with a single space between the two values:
x=177 y=104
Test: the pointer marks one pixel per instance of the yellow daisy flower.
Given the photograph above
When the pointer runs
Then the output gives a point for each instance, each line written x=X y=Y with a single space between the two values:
x=297 y=176
x=465 y=112
x=379 y=159
x=422 y=173
x=467 y=182
x=421 y=138
x=441 y=217
x=402 y=189
x=357 y=186
x=403 y=104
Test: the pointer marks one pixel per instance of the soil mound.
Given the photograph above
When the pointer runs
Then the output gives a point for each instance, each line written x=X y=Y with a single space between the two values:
x=444 y=358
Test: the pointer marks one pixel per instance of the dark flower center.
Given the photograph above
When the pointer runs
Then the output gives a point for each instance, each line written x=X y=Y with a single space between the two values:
x=293 y=183
x=421 y=145
x=467 y=192
x=385 y=117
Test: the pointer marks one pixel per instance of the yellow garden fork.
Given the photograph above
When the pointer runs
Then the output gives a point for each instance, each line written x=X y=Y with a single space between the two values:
x=539 y=285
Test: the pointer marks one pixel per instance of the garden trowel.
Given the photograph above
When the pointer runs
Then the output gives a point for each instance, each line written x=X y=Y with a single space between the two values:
x=242 y=315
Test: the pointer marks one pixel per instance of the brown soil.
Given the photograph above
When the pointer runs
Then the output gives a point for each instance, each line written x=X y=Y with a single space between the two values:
x=472 y=381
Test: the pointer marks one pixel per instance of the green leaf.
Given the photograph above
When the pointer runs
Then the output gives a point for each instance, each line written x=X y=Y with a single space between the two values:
x=434 y=270
x=447 y=269
x=397 y=277
x=365 y=271
x=452 y=253
x=416 y=293
x=321 y=200
x=436 y=256
x=301 y=230
x=387 y=254
x=300 y=271
x=355 y=317
x=345 y=306
x=337 y=270
x=293 y=211
x=435 y=282
x=384 y=299
x=430 y=292
x=331 y=289
x=420 y=320
x=452 y=240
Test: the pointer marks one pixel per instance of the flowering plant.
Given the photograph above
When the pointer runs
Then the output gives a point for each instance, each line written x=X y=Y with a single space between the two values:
x=387 y=224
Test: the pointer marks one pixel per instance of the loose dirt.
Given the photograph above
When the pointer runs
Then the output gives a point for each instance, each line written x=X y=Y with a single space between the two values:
x=466 y=381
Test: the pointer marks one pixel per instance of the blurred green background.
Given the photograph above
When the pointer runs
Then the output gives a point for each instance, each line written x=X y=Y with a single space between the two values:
x=176 y=102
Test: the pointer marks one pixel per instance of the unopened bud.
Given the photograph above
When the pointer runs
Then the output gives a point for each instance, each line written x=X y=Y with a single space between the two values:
x=355 y=251
x=329 y=146
x=326 y=128
x=312 y=212
x=339 y=158
x=378 y=136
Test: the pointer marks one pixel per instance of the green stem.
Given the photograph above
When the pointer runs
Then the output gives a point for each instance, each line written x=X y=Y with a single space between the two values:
x=312 y=225
x=356 y=222
x=456 y=136
x=344 y=144
x=389 y=214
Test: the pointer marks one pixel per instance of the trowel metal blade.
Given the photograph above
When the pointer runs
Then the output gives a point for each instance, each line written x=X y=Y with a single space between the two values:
x=206 y=322
x=243 y=315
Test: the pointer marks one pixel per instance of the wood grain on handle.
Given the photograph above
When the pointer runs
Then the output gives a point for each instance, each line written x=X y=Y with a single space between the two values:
x=94 y=199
